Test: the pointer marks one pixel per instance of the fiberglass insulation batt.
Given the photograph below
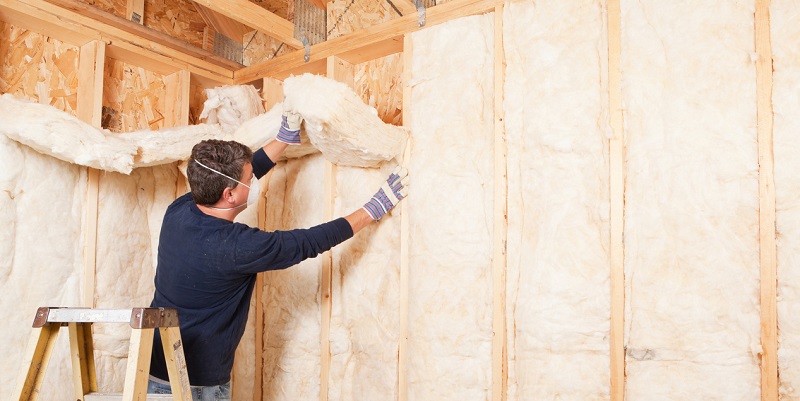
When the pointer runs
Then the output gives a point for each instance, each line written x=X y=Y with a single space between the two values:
x=38 y=267
x=450 y=216
x=291 y=301
x=691 y=201
x=785 y=34
x=556 y=123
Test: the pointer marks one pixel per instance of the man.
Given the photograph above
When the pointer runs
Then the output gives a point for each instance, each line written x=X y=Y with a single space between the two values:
x=207 y=264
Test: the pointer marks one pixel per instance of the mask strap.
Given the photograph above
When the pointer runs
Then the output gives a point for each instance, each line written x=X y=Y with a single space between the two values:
x=203 y=165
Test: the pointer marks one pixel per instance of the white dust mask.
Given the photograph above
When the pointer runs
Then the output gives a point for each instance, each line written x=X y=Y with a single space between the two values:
x=252 y=196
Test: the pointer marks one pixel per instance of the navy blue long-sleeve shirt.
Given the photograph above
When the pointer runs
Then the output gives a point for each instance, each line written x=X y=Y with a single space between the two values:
x=207 y=270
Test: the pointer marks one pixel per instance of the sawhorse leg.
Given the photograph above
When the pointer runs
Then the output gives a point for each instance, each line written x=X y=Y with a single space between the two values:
x=176 y=363
x=40 y=346
x=84 y=378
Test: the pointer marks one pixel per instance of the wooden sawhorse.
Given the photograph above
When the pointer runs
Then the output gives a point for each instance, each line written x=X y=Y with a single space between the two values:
x=143 y=321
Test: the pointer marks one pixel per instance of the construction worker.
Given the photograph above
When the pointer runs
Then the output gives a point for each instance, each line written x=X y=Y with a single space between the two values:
x=207 y=264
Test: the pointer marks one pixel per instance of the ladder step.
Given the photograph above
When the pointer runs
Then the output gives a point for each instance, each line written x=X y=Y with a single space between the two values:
x=118 y=396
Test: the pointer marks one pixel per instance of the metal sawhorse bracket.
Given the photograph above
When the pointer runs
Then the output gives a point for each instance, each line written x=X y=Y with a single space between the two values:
x=143 y=321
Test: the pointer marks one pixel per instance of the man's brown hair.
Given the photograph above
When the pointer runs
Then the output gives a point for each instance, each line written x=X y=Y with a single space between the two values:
x=227 y=157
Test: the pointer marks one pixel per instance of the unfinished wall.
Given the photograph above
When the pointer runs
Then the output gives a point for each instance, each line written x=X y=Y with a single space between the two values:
x=691 y=211
x=450 y=217
x=35 y=66
x=785 y=34
x=558 y=301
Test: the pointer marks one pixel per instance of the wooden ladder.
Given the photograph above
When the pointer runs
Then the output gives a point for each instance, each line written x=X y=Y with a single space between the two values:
x=143 y=321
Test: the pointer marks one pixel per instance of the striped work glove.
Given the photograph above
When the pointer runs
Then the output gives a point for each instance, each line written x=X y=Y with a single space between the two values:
x=290 y=128
x=389 y=195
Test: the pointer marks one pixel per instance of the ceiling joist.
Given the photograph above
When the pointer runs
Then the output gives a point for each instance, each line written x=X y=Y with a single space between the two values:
x=78 y=23
x=364 y=45
x=255 y=17
x=405 y=7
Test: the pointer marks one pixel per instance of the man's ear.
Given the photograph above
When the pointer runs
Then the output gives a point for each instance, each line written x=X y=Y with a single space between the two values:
x=227 y=195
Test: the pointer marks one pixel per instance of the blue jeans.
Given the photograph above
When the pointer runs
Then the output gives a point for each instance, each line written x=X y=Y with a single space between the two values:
x=199 y=393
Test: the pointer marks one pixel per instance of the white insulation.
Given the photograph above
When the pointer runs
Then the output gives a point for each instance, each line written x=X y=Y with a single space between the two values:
x=785 y=34
x=691 y=215
x=691 y=201
x=450 y=217
x=558 y=301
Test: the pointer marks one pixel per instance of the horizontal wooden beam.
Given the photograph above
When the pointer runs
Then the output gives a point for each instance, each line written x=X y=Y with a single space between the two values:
x=227 y=26
x=364 y=45
x=255 y=17
x=79 y=23
x=406 y=7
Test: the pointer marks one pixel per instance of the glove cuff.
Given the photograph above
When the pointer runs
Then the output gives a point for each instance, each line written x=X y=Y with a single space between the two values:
x=290 y=137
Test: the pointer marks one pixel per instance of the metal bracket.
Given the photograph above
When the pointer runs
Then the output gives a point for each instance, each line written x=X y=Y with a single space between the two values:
x=307 y=57
x=420 y=12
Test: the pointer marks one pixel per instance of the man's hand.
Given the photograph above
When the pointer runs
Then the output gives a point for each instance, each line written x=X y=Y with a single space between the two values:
x=389 y=195
x=290 y=128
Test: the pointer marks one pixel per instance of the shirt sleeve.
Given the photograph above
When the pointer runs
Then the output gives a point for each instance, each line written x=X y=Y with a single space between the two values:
x=259 y=250
x=262 y=164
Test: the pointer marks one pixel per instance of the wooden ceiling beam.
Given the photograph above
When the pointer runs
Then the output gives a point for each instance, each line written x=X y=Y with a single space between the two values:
x=364 y=45
x=79 y=23
x=406 y=7
x=227 y=26
x=255 y=17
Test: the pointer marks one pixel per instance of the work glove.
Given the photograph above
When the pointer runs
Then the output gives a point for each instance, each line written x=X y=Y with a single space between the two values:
x=290 y=128
x=389 y=195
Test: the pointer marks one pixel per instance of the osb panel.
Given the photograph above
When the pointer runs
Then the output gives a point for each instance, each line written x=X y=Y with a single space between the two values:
x=116 y=7
x=278 y=7
x=197 y=97
x=345 y=16
x=133 y=98
x=38 y=67
x=260 y=47
x=176 y=18
x=378 y=82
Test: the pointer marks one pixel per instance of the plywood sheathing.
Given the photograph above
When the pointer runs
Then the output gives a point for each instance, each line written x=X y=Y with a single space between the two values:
x=38 y=67
x=258 y=47
x=116 y=7
x=197 y=96
x=379 y=82
x=135 y=95
x=177 y=18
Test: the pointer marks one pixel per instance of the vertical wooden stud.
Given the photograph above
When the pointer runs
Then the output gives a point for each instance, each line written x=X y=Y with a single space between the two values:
x=89 y=109
x=617 y=203
x=341 y=71
x=272 y=94
x=176 y=109
x=500 y=229
x=766 y=192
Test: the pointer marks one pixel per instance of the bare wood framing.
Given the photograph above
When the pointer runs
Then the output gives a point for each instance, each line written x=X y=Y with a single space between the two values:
x=617 y=203
x=136 y=377
x=134 y=11
x=364 y=45
x=225 y=25
x=344 y=72
x=79 y=23
x=256 y=17
x=177 y=105
x=500 y=230
x=402 y=351
x=405 y=7
x=272 y=94
x=89 y=109
x=766 y=190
